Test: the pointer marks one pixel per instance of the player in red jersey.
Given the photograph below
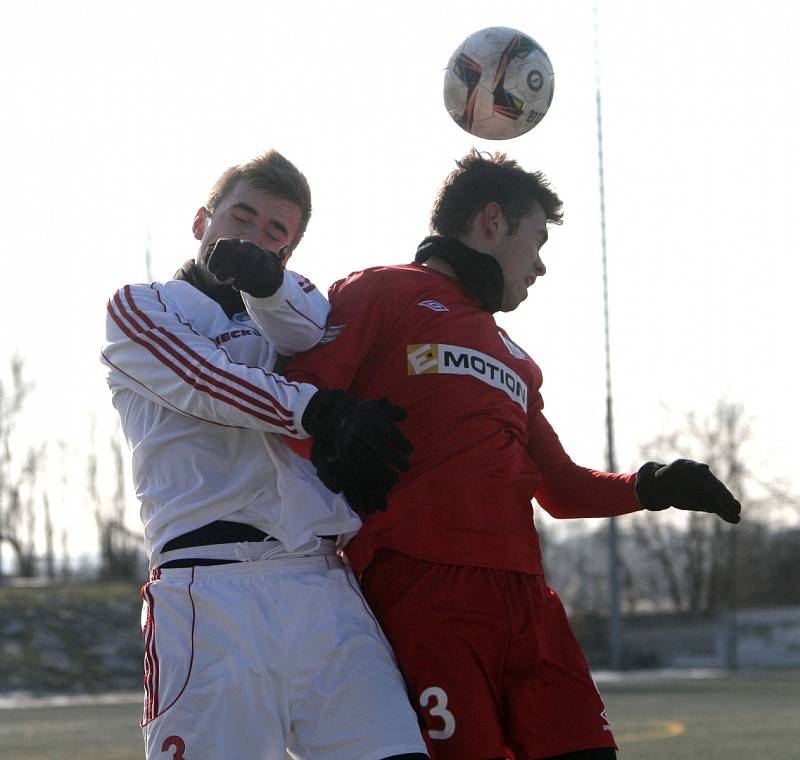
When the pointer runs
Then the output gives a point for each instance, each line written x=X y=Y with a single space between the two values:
x=453 y=569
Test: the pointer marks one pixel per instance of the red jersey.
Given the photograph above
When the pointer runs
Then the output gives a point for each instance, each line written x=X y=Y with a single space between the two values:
x=482 y=447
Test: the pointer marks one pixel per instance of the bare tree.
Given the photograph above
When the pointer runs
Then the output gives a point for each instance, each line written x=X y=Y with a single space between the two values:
x=576 y=567
x=119 y=546
x=694 y=563
x=49 y=544
x=18 y=475
x=65 y=570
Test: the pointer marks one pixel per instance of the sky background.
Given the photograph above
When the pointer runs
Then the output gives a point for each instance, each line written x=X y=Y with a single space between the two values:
x=117 y=119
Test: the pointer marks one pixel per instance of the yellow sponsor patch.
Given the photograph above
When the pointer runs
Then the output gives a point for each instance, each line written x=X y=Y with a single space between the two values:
x=423 y=358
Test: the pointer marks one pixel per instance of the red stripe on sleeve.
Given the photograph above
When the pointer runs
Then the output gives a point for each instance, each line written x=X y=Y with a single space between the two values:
x=279 y=408
x=195 y=369
x=195 y=381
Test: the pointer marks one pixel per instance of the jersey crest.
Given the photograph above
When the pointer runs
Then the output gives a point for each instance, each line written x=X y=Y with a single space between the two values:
x=512 y=347
x=331 y=333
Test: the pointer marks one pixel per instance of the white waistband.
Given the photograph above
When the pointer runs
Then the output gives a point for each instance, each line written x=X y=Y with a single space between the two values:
x=246 y=551
x=267 y=568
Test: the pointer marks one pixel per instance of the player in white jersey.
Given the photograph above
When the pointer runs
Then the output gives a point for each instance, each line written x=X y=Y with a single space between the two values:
x=257 y=638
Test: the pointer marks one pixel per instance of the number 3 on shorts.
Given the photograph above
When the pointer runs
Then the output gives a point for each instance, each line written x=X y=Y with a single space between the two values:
x=438 y=710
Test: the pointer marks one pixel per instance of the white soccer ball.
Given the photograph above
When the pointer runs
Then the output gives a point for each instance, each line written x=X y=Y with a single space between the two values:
x=499 y=83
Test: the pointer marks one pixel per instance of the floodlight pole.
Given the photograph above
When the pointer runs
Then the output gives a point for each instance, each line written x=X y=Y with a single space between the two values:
x=614 y=616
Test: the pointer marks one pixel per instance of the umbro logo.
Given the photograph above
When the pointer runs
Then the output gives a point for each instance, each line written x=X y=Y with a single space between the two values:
x=433 y=305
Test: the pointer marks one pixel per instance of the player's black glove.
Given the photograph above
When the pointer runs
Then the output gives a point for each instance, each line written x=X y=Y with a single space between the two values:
x=362 y=491
x=254 y=270
x=685 y=484
x=357 y=447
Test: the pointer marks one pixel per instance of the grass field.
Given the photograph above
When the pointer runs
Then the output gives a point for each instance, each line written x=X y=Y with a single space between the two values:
x=745 y=717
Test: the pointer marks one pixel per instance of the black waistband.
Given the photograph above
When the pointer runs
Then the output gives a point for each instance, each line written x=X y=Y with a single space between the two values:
x=195 y=561
x=217 y=532
x=221 y=532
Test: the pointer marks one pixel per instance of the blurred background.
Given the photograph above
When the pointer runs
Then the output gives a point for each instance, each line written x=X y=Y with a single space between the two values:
x=118 y=118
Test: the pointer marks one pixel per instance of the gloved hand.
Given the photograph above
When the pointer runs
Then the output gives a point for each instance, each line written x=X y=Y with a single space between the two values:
x=363 y=493
x=254 y=270
x=357 y=447
x=685 y=484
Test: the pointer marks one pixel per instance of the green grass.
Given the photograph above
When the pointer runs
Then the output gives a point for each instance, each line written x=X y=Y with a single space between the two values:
x=746 y=717
x=71 y=593
x=73 y=638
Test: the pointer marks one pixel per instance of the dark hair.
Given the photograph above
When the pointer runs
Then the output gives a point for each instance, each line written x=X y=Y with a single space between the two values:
x=480 y=179
x=271 y=172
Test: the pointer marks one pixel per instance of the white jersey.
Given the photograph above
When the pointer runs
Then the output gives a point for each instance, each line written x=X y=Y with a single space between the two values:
x=205 y=416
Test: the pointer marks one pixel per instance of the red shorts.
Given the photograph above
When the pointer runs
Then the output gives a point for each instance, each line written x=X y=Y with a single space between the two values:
x=491 y=663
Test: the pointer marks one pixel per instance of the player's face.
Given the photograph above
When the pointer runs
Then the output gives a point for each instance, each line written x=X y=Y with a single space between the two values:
x=247 y=213
x=519 y=257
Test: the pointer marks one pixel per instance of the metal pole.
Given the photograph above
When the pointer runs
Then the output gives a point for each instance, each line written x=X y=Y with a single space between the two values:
x=615 y=619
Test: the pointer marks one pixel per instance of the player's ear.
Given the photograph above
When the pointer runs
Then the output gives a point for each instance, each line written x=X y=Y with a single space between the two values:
x=285 y=255
x=199 y=224
x=491 y=219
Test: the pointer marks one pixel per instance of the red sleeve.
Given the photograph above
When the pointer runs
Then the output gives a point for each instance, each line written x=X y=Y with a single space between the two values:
x=569 y=490
x=359 y=308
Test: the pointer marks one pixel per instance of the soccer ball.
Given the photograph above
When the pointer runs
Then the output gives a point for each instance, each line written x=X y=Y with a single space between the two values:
x=498 y=84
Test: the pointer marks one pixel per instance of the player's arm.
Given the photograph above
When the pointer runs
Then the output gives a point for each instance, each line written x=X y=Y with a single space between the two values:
x=287 y=308
x=155 y=352
x=293 y=318
x=568 y=490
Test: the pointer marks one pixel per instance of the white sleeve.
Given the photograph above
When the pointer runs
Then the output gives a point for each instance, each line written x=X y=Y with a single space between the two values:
x=293 y=318
x=154 y=351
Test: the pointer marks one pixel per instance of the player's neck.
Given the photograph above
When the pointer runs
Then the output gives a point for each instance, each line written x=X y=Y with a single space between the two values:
x=440 y=265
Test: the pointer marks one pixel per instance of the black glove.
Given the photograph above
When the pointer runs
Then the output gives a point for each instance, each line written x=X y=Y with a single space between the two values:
x=362 y=492
x=685 y=484
x=254 y=270
x=356 y=441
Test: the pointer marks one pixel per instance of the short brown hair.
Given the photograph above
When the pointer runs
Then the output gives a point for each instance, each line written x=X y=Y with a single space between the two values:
x=271 y=172
x=480 y=179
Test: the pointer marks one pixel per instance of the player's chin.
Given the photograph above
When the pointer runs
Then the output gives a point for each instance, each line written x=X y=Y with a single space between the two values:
x=511 y=301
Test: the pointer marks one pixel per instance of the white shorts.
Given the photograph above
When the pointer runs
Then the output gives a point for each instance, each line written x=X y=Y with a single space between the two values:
x=255 y=659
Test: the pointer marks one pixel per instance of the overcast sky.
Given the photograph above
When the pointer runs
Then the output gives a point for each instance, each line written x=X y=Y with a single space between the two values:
x=117 y=118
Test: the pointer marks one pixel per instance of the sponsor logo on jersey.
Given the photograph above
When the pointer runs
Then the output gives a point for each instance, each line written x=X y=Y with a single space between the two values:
x=305 y=284
x=242 y=317
x=433 y=305
x=226 y=336
x=331 y=333
x=438 y=358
